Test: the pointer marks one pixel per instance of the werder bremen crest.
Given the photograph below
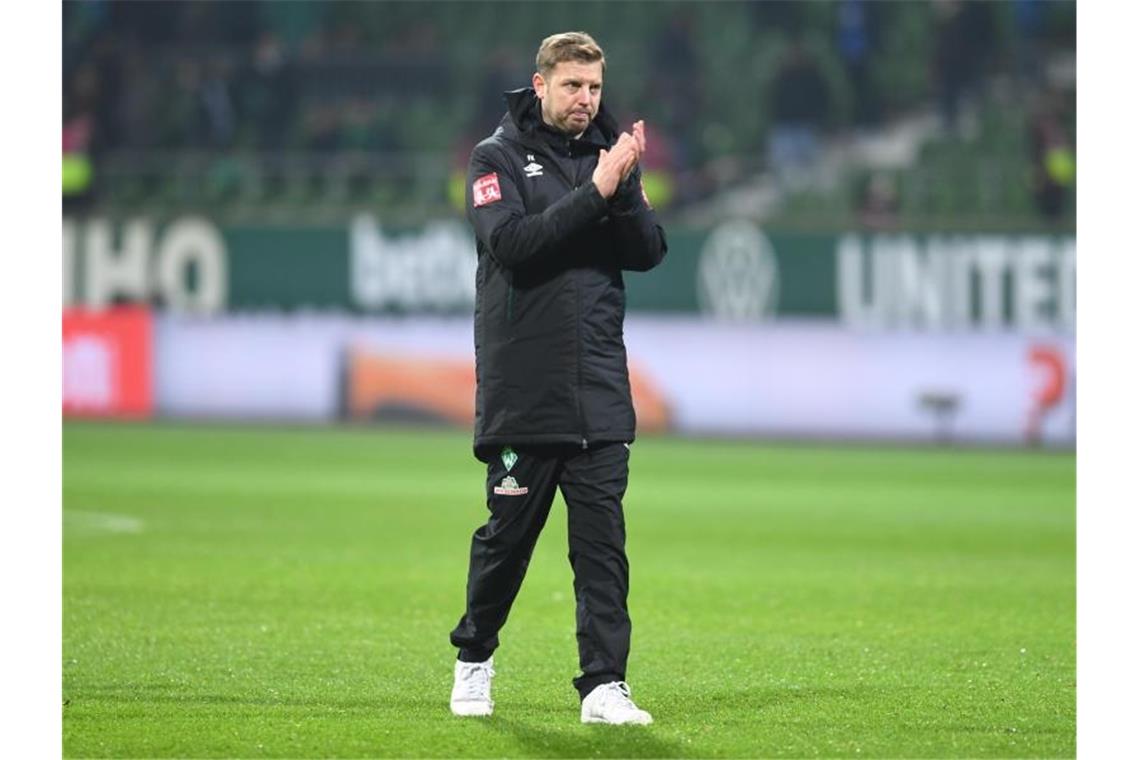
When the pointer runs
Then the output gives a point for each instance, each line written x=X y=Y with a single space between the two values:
x=509 y=457
x=510 y=487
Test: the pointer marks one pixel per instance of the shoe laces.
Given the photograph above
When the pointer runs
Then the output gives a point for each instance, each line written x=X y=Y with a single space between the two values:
x=475 y=680
x=618 y=693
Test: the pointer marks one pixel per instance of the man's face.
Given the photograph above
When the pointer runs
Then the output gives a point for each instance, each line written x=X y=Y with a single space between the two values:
x=570 y=95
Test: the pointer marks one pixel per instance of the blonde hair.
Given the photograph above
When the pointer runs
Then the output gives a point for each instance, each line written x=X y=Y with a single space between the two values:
x=567 y=46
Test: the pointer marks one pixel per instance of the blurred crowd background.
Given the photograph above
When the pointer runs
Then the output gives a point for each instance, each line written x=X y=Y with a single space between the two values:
x=838 y=114
x=870 y=210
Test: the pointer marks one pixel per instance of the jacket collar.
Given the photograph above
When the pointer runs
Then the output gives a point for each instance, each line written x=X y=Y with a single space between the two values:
x=523 y=122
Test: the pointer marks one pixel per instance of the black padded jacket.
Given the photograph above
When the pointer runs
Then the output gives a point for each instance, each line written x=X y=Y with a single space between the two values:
x=550 y=357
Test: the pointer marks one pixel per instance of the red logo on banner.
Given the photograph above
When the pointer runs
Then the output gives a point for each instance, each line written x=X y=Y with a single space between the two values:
x=1050 y=392
x=107 y=364
x=486 y=190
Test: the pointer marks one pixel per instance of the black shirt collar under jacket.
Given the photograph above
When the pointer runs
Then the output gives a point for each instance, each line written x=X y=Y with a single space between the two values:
x=523 y=122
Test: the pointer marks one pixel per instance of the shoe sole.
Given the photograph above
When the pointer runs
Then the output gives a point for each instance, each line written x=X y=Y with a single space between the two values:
x=472 y=711
x=611 y=723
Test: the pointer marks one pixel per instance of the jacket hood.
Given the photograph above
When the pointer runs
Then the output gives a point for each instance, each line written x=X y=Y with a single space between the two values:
x=524 y=119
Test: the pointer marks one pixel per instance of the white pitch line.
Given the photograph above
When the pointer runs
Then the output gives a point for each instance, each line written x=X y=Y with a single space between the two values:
x=102 y=522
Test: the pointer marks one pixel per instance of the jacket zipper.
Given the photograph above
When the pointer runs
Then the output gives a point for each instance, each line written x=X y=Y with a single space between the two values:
x=574 y=185
x=581 y=316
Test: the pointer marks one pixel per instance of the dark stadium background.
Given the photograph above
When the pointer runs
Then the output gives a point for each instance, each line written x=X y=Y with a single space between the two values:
x=877 y=199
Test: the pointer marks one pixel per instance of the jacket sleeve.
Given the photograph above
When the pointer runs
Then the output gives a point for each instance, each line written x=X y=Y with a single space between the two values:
x=640 y=239
x=501 y=223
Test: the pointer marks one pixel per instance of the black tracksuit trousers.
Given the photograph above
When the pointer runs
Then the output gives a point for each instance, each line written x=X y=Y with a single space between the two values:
x=593 y=482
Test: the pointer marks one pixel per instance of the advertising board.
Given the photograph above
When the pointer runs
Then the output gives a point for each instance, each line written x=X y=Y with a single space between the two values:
x=689 y=375
x=107 y=363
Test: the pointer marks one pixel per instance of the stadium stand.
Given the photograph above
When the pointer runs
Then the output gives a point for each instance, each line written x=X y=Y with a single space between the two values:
x=270 y=110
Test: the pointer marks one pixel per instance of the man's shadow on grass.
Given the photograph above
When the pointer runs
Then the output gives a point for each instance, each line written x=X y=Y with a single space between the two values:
x=536 y=736
x=580 y=740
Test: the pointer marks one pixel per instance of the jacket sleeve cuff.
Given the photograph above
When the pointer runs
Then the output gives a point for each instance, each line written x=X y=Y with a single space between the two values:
x=625 y=200
x=592 y=200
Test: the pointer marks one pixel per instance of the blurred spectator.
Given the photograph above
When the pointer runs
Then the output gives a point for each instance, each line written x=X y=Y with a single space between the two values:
x=950 y=65
x=321 y=127
x=676 y=87
x=79 y=138
x=268 y=93
x=853 y=41
x=364 y=127
x=500 y=74
x=662 y=177
x=182 y=122
x=357 y=130
x=878 y=202
x=800 y=106
x=1029 y=23
x=81 y=21
x=198 y=112
x=1054 y=165
x=217 y=104
x=962 y=44
x=140 y=94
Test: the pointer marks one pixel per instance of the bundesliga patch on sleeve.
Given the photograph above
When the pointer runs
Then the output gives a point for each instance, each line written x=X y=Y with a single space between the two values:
x=486 y=190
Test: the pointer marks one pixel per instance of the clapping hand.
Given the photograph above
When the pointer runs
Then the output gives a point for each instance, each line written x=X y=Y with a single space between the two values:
x=617 y=163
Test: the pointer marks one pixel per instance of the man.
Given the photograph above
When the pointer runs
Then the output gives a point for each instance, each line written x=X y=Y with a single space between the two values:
x=555 y=199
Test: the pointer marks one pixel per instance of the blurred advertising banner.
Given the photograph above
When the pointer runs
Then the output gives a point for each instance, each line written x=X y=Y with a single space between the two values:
x=816 y=380
x=107 y=362
x=690 y=375
x=734 y=271
x=385 y=385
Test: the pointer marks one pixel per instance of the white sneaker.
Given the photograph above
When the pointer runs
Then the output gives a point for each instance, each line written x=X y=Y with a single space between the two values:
x=610 y=703
x=471 y=694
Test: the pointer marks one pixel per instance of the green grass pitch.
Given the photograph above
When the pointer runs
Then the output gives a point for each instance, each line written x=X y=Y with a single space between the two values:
x=265 y=592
